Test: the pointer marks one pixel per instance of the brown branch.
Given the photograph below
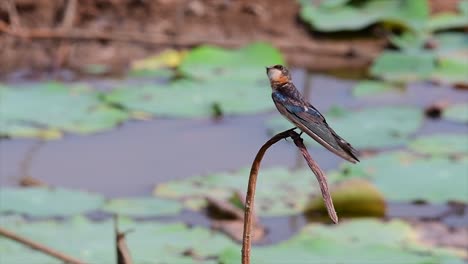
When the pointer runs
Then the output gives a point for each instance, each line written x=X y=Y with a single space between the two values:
x=366 y=49
x=39 y=247
x=249 y=200
x=69 y=15
x=13 y=15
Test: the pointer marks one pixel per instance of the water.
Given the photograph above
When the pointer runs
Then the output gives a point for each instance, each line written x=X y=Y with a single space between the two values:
x=132 y=159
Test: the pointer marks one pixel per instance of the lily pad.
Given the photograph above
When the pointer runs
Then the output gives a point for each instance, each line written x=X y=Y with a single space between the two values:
x=206 y=62
x=51 y=107
x=170 y=243
x=217 y=82
x=403 y=67
x=441 y=144
x=273 y=195
x=47 y=202
x=345 y=15
x=378 y=127
x=80 y=238
x=450 y=20
x=93 y=242
x=143 y=207
x=159 y=65
x=457 y=112
x=357 y=241
x=372 y=88
x=403 y=177
x=452 y=71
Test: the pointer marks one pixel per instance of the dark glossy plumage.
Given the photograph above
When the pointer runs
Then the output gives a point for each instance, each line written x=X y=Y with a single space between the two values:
x=291 y=104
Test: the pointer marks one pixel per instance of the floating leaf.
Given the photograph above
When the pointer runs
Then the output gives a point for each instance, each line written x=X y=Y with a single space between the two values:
x=47 y=202
x=80 y=238
x=354 y=197
x=457 y=112
x=441 y=144
x=169 y=243
x=450 y=41
x=443 y=21
x=370 y=88
x=378 y=127
x=409 y=41
x=403 y=177
x=222 y=82
x=93 y=242
x=273 y=195
x=206 y=62
x=143 y=207
x=44 y=110
x=451 y=71
x=344 y=15
x=403 y=67
x=358 y=241
x=158 y=65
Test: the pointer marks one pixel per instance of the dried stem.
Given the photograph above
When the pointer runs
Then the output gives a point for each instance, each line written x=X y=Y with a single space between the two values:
x=36 y=246
x=367 y=49
x=322 y=180
x=249 y=200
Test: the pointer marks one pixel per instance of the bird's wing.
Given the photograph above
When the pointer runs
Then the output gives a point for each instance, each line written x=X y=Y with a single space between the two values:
x=311 y=122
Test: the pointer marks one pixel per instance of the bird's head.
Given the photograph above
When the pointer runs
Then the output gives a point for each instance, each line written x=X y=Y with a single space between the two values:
x=278 y=75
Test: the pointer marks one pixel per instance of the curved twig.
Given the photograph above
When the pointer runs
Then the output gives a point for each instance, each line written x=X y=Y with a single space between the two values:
x=249 y=200
x=36 y=246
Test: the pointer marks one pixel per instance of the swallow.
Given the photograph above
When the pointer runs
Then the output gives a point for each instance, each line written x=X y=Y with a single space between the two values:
x=292 y=105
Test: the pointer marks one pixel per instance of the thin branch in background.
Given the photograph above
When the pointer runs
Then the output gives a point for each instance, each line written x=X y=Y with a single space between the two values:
x=13 y=15
x=39 y=247
x=69 y=15
x=249 y=200
x=324 y=48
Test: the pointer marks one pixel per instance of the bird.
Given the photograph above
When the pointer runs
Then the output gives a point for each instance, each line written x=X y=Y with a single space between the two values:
x=294 y=107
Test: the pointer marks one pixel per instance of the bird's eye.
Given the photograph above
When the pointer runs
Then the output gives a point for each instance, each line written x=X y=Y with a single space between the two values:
x=279 y=67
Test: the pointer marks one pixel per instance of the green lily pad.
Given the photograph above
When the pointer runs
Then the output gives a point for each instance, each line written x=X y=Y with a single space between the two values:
x=143 y=207
x=93 y=242
x=444 y=21
x=80 y=238
x=403 y=67
x=441 y=144
x=153 y=242
x=249 y=62
x=452 y=71
x=378 y=127
x=52 y=107
x=345 y=15
x=47 y=202
x=159 y=65
x=450 y=41
x=371 y=88
x=457 y=112
x=404 y=177
x=357 y=241
x=219 y=82
x=273 y=194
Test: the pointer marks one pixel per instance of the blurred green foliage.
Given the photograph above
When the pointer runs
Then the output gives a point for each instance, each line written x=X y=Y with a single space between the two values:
x=358 y=241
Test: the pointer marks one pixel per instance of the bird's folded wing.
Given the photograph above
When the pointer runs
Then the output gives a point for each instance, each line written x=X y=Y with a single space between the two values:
x=315 y=123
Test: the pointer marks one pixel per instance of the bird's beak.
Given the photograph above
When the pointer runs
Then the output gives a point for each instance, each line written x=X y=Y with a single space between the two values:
x=268 y=68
